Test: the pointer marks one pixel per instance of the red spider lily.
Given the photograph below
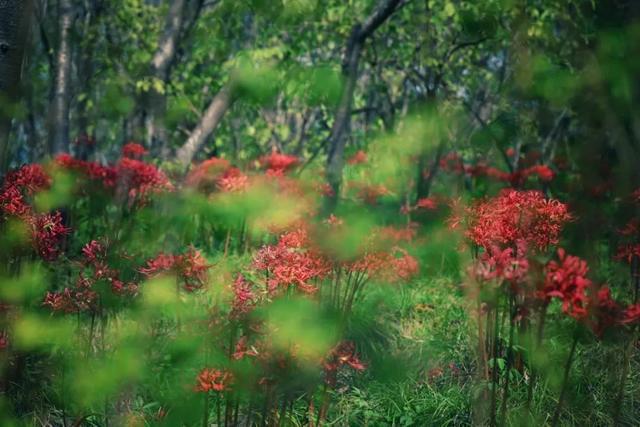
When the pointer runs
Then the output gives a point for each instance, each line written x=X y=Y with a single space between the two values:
x=370 y=194
x=403 y=268
x=389 y=266
x=277 y=162
x=427 y=203
x=162 y=262
x=357 y=159
x=134 y=178
x=291 y=263
x=214 y=380
x=193 y=268
x=515 y=216
x=242 y=349
x=333 y=221
x=139 y=179
x=631 y=314
x=107 y=175
x=344 y=354
x=393 y=235
x=232 y=180
x=206 y=175
x=93 y=251
x=13 y=203
x=606 y=311
x=48 y=232
x=503 y=264
x=631 y=228
x=29 y=178
x=133 y=150
x=452 y=162
x=71 y=301
x=567 y=280
x=628 y=252
x=544 y=172
x=190 y=267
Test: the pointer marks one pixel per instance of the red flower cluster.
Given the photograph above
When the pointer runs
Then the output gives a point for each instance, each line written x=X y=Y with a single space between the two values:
x=370 y=194
x=357 y=159
x=190 y=267
x=388 y=266
x=216 y=174
x=214 y=380
x=278 y=163
x=243 y=296
x=606 y=311
x=205 y=175
x=452 y=162
x=423 y=204
x=25 y=181
x=233 y=180
x=47 y=230
x=515 y=216
x=631 y=314
x=83 y=297
x=291 y=263
x=628 y=252
x=344 y=354
x=503 y=264
x=107 y=175
x=567 y=280
x=139 y=179
x=133 y=150
x=47 y=234
x=133 y=178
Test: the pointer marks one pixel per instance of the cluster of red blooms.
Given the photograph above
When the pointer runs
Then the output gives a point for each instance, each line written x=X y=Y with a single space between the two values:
x=389 y=266
x=216 y=174
x=243 y=296
x=83 y=297
x=515 y=216
x=357 y=159
x=214 y=380
x=278 y=163
x=133 y=150
x=291 y=262
x=422 y=205
x=95 y=171
x=629 y=251
x=370 y=193
x=452 y=162
x=566 y=279
x=47 y=229
x=138 y=179
x=344 y=354
x=191 y=268
x=130 y=177
x=510 y=264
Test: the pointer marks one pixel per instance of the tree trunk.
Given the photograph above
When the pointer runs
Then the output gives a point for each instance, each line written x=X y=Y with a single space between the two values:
x=350 y=65
x=208 y=123
x=14 y=29
x=155 y=100
x=59 y=107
